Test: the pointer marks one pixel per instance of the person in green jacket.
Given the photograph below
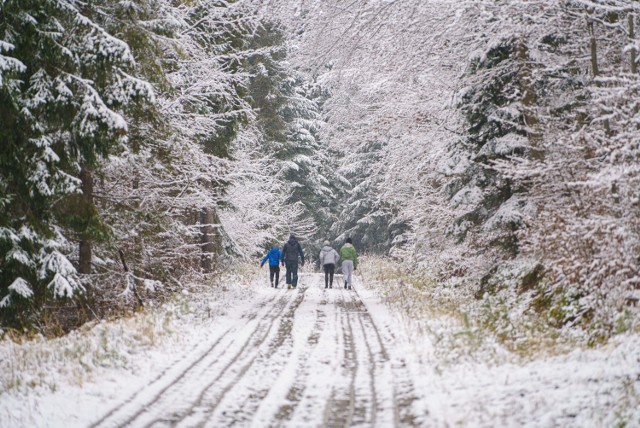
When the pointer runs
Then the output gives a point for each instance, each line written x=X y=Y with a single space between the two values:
x=349 y=259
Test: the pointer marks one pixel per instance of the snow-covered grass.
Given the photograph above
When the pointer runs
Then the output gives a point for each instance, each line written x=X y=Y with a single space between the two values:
x=427 y=309
x=470 y=374
x=504 y=323
x=119 y=348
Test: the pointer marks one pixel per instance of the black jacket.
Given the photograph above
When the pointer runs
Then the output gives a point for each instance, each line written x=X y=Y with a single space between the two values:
x=291 y=250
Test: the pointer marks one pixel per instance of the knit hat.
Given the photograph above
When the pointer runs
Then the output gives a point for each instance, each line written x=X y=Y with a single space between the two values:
x=349 y=241
x=327 y=243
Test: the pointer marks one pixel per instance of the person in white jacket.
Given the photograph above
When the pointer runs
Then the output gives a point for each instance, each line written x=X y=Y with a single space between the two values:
x=328 y=260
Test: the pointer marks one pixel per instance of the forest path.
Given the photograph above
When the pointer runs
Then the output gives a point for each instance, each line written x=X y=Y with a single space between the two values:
x=305 y=357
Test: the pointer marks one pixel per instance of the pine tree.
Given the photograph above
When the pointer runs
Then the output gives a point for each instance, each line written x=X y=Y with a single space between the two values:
x=63 y=118
x=288 y=114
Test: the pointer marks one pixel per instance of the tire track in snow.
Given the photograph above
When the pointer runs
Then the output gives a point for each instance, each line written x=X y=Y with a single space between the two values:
x=372 y=374
x=299 y=386
x=194 y=406
x=299 y=397
x=403 y=390
x=248 y=407
x=387 y=406
x=340 y=407
x=148 y=397
x=367 y=374
x=377 y=363
x=245 y=377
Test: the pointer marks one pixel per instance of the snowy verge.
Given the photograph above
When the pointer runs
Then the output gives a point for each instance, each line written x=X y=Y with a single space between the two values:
x=103 y=363
x=463 y=375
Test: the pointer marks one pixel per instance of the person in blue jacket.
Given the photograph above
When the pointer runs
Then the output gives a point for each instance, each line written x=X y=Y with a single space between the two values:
x=273 y=256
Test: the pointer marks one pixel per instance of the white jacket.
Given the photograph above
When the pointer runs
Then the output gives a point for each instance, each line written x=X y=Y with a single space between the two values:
x=328 y=256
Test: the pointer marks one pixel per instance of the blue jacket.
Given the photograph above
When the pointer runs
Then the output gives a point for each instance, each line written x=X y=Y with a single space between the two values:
x=273 y=256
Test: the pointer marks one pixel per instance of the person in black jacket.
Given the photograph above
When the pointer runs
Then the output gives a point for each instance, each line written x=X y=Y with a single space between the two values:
x=290 y=253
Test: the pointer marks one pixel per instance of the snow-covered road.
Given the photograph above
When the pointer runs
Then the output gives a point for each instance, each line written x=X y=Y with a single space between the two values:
x=243 y=354
x=305 y=357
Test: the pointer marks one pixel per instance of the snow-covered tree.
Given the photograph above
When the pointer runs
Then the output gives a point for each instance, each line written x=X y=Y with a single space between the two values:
x=68 y=80
x=586 y=230
x=288 y=118
x=494 y=134
x=566 y=66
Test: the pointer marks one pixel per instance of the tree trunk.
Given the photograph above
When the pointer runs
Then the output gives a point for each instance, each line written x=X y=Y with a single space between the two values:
x=632 y=53
x=529 y=101
x=593 y=48
x=632 y=36
x=208 y=235
x=135 y=288
x=84 y=263
x=138 y=255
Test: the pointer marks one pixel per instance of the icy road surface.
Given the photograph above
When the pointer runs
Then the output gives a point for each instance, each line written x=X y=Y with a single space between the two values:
x=305 y=357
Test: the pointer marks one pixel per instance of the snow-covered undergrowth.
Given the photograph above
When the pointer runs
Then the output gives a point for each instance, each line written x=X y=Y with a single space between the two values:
x=502 y=323
x=472 y=374
x=431 y=310
x=137 y=345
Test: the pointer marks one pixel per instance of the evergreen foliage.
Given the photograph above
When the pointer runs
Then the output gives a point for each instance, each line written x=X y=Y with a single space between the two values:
x=127 y=130
x=289 y=119
x=72 y=79
x=145 y=142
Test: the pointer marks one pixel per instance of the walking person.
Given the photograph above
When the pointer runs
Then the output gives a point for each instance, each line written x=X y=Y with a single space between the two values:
x=290 y=253
x=349 y=259
x=273 y=256
x=328 y=260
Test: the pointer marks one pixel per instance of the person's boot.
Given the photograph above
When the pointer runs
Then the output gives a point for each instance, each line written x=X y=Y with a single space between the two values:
x=345 y=285
x=272 y=285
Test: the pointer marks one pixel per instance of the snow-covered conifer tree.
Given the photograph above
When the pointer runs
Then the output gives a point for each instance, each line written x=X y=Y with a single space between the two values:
x=64 y=117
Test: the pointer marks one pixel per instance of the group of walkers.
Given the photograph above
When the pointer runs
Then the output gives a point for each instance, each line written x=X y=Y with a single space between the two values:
x=329 y=258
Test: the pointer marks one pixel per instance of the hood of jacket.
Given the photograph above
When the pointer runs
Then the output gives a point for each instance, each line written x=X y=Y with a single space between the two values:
x=326 y=248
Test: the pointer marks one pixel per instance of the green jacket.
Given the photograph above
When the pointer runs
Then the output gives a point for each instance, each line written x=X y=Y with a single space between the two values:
x=348 y=252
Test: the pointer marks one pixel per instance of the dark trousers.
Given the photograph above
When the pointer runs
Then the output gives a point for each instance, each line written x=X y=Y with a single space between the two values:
x=274 y=271
x=292 y=272
x=329 y=270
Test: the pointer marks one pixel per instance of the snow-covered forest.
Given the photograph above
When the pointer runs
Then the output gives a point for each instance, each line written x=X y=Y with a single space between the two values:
x=484 y=156
x=145 y=142
x=490 y=147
